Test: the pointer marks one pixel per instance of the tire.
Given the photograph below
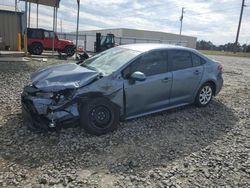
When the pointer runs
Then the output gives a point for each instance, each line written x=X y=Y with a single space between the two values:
x=69 y=51
x=36 y=49
x=204 y=95
x=99 y=116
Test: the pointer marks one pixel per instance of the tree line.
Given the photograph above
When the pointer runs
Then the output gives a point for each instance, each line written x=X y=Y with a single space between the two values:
x=208 y=45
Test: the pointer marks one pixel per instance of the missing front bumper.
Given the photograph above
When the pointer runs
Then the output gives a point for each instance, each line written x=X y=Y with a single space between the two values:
x=44 y=122
x=34 y=121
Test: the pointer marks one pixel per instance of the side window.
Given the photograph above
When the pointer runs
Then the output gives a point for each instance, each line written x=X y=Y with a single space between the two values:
x=108 y=40
x=151 y=63
x=46 y=34
x=197 y=60
x=203 y=61
x=179 y=59
x=51 y=34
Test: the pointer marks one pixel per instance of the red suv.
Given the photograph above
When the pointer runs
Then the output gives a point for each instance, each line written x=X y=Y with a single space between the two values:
x=41 y=39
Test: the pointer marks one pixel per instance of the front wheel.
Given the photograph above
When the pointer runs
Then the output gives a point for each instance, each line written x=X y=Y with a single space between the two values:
x=99 y=116
x=204 y=95
x=69 y=50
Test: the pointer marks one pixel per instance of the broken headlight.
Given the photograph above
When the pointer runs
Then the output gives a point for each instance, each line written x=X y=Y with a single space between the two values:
x=61 y=96
x=68 y=93
x=44 y=95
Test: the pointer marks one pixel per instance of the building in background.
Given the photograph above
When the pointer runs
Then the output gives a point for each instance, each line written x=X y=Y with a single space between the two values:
x=10 y=26
x=130 y=36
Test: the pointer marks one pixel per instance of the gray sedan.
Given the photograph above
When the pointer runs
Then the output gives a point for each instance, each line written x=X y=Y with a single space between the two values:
x=119 y=84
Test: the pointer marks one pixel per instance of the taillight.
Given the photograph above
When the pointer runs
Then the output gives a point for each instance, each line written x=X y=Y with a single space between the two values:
x=221 y=68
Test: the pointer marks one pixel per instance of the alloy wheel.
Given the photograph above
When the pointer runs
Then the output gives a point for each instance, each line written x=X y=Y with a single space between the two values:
x=205 y=95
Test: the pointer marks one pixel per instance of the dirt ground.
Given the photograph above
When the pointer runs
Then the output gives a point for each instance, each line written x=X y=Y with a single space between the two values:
x=184 y=147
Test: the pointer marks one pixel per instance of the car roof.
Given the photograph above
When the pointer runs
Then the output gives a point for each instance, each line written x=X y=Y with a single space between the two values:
x=144 y=47
x=39 y=29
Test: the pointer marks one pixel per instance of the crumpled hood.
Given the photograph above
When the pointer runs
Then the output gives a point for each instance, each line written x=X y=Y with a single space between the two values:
x=64 y=76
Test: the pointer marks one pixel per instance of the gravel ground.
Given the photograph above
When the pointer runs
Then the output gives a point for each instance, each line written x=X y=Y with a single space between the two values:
x=185 y=147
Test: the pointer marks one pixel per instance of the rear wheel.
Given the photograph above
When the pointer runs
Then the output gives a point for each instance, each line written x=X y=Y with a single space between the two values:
x=36 y=49
x=69 y=50
x=99 y=116
x=204 y=95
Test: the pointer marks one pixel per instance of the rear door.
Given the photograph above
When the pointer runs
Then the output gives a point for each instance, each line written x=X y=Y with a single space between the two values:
x=187 y=75
x=35 y=35
x=153 y=93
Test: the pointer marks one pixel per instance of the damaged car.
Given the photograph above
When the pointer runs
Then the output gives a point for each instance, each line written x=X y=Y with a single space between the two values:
x=119 y=84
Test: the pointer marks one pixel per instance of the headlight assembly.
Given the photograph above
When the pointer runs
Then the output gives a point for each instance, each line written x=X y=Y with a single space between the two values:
x=44 y=95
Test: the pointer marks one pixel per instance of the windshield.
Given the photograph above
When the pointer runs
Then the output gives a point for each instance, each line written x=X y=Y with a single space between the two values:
x=110 y=60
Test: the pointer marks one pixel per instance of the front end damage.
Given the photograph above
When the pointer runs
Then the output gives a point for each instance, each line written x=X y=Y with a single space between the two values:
x=57 y=92
x=44 y=111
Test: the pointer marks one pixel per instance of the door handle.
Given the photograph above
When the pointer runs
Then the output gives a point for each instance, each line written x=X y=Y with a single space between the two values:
x=197 y=72
x=165 y=79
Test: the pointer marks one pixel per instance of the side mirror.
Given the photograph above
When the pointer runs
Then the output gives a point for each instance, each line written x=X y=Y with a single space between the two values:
x=138 y=76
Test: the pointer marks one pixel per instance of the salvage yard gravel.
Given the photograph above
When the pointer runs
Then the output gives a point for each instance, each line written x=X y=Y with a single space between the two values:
x=184 y=147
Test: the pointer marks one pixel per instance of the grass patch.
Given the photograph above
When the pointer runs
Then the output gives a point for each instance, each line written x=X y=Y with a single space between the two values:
x=237 y=54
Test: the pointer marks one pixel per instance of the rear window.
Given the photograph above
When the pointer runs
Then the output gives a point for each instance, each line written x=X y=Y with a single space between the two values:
x=197 y=60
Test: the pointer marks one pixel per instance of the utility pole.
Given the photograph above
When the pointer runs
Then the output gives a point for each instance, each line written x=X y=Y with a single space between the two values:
x=29 y=14
x=53 y=37
x=77 y=27
x=56 y=20
x=181 y=19
x=61 y=24
x=238 y=31
x=25 y=28
x=37 y=7
x=16 y=5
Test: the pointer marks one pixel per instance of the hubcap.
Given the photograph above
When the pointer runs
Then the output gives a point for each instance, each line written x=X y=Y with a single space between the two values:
x=37 y=49
x=205 y=95
x=70 y=51
x=100 y=116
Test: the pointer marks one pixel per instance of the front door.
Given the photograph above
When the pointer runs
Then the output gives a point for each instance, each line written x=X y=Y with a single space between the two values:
x=153 y=93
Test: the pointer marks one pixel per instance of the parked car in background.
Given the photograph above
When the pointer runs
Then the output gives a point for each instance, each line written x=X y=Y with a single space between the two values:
x=40 y=39
x=119 y=84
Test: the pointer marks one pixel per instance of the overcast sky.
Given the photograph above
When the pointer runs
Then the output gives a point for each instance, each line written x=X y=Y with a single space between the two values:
x=214 y=20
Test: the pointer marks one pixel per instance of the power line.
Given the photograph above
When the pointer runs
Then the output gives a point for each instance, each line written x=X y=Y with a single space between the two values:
x=218 y=10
